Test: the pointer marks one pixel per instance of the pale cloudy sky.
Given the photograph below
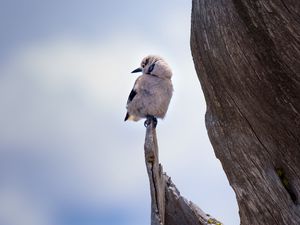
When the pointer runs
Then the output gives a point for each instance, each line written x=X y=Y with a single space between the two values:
x=66 y=155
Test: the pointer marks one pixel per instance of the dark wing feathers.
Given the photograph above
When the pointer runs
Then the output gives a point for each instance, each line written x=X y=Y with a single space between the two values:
x=131 y=95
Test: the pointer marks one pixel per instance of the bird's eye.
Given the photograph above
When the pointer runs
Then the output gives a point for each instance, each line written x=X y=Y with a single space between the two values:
x=151 y=68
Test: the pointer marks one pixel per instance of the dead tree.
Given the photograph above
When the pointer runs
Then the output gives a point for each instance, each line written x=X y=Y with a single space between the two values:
x=247 y=57
x=168 y=207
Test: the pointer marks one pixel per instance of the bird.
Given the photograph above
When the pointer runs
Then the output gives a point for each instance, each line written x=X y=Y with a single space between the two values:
x=152 y=91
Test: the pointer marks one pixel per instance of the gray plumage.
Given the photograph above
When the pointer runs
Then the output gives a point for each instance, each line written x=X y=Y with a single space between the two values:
x=152 y=91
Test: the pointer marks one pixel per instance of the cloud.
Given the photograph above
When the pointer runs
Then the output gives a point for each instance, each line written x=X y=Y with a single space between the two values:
x=17 y=209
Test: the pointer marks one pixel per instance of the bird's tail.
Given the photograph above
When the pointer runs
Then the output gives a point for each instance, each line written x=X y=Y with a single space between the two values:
x=131 y=117
x=126 y=117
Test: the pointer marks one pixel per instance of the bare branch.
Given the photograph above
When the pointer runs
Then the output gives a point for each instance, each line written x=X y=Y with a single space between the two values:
x=168 y=207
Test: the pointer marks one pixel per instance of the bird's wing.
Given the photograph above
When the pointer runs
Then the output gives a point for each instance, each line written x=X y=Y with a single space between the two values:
x=134 y=90
x=130 y=98
x=131 y=95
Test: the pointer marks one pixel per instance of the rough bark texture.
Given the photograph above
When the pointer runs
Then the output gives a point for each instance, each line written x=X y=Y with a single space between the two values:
x=247 y=57
x=168 y=207
x=156 y=177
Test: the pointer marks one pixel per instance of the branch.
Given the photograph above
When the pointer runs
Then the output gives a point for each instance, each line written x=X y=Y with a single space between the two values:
x=155 y=174
x=168 y=207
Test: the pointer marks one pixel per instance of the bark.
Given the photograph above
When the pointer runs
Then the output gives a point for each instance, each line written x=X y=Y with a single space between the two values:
x=247 y=57
x=168 y=207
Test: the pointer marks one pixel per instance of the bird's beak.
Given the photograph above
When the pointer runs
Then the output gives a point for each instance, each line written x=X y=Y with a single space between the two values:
x=137 y=70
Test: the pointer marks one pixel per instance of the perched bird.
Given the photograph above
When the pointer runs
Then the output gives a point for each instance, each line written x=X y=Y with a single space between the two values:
x=152 y=91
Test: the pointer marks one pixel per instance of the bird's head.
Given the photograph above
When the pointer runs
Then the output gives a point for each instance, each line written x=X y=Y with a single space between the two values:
x=156 y=66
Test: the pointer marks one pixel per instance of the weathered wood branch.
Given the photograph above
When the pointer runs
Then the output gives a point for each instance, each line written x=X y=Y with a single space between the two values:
x=156 y=178
x=168 y=207
x=247 y=57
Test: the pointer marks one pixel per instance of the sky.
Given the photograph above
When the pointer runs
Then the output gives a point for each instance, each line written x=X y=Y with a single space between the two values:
x=66 y=155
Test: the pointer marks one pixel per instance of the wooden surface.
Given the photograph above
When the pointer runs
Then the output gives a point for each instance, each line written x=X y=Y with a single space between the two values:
x=155 y=174
x=247 y=57
x=168 y=207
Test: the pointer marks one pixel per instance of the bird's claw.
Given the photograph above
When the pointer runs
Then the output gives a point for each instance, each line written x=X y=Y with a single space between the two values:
x=149 y=120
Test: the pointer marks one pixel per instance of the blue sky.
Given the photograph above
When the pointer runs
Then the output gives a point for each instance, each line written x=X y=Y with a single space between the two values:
x=66 y=155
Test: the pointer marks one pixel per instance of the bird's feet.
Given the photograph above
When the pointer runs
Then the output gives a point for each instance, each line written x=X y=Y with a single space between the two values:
x=149 y=120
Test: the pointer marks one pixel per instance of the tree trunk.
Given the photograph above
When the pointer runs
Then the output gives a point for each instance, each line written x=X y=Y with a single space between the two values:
x=247 y=57
x=168 y=207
